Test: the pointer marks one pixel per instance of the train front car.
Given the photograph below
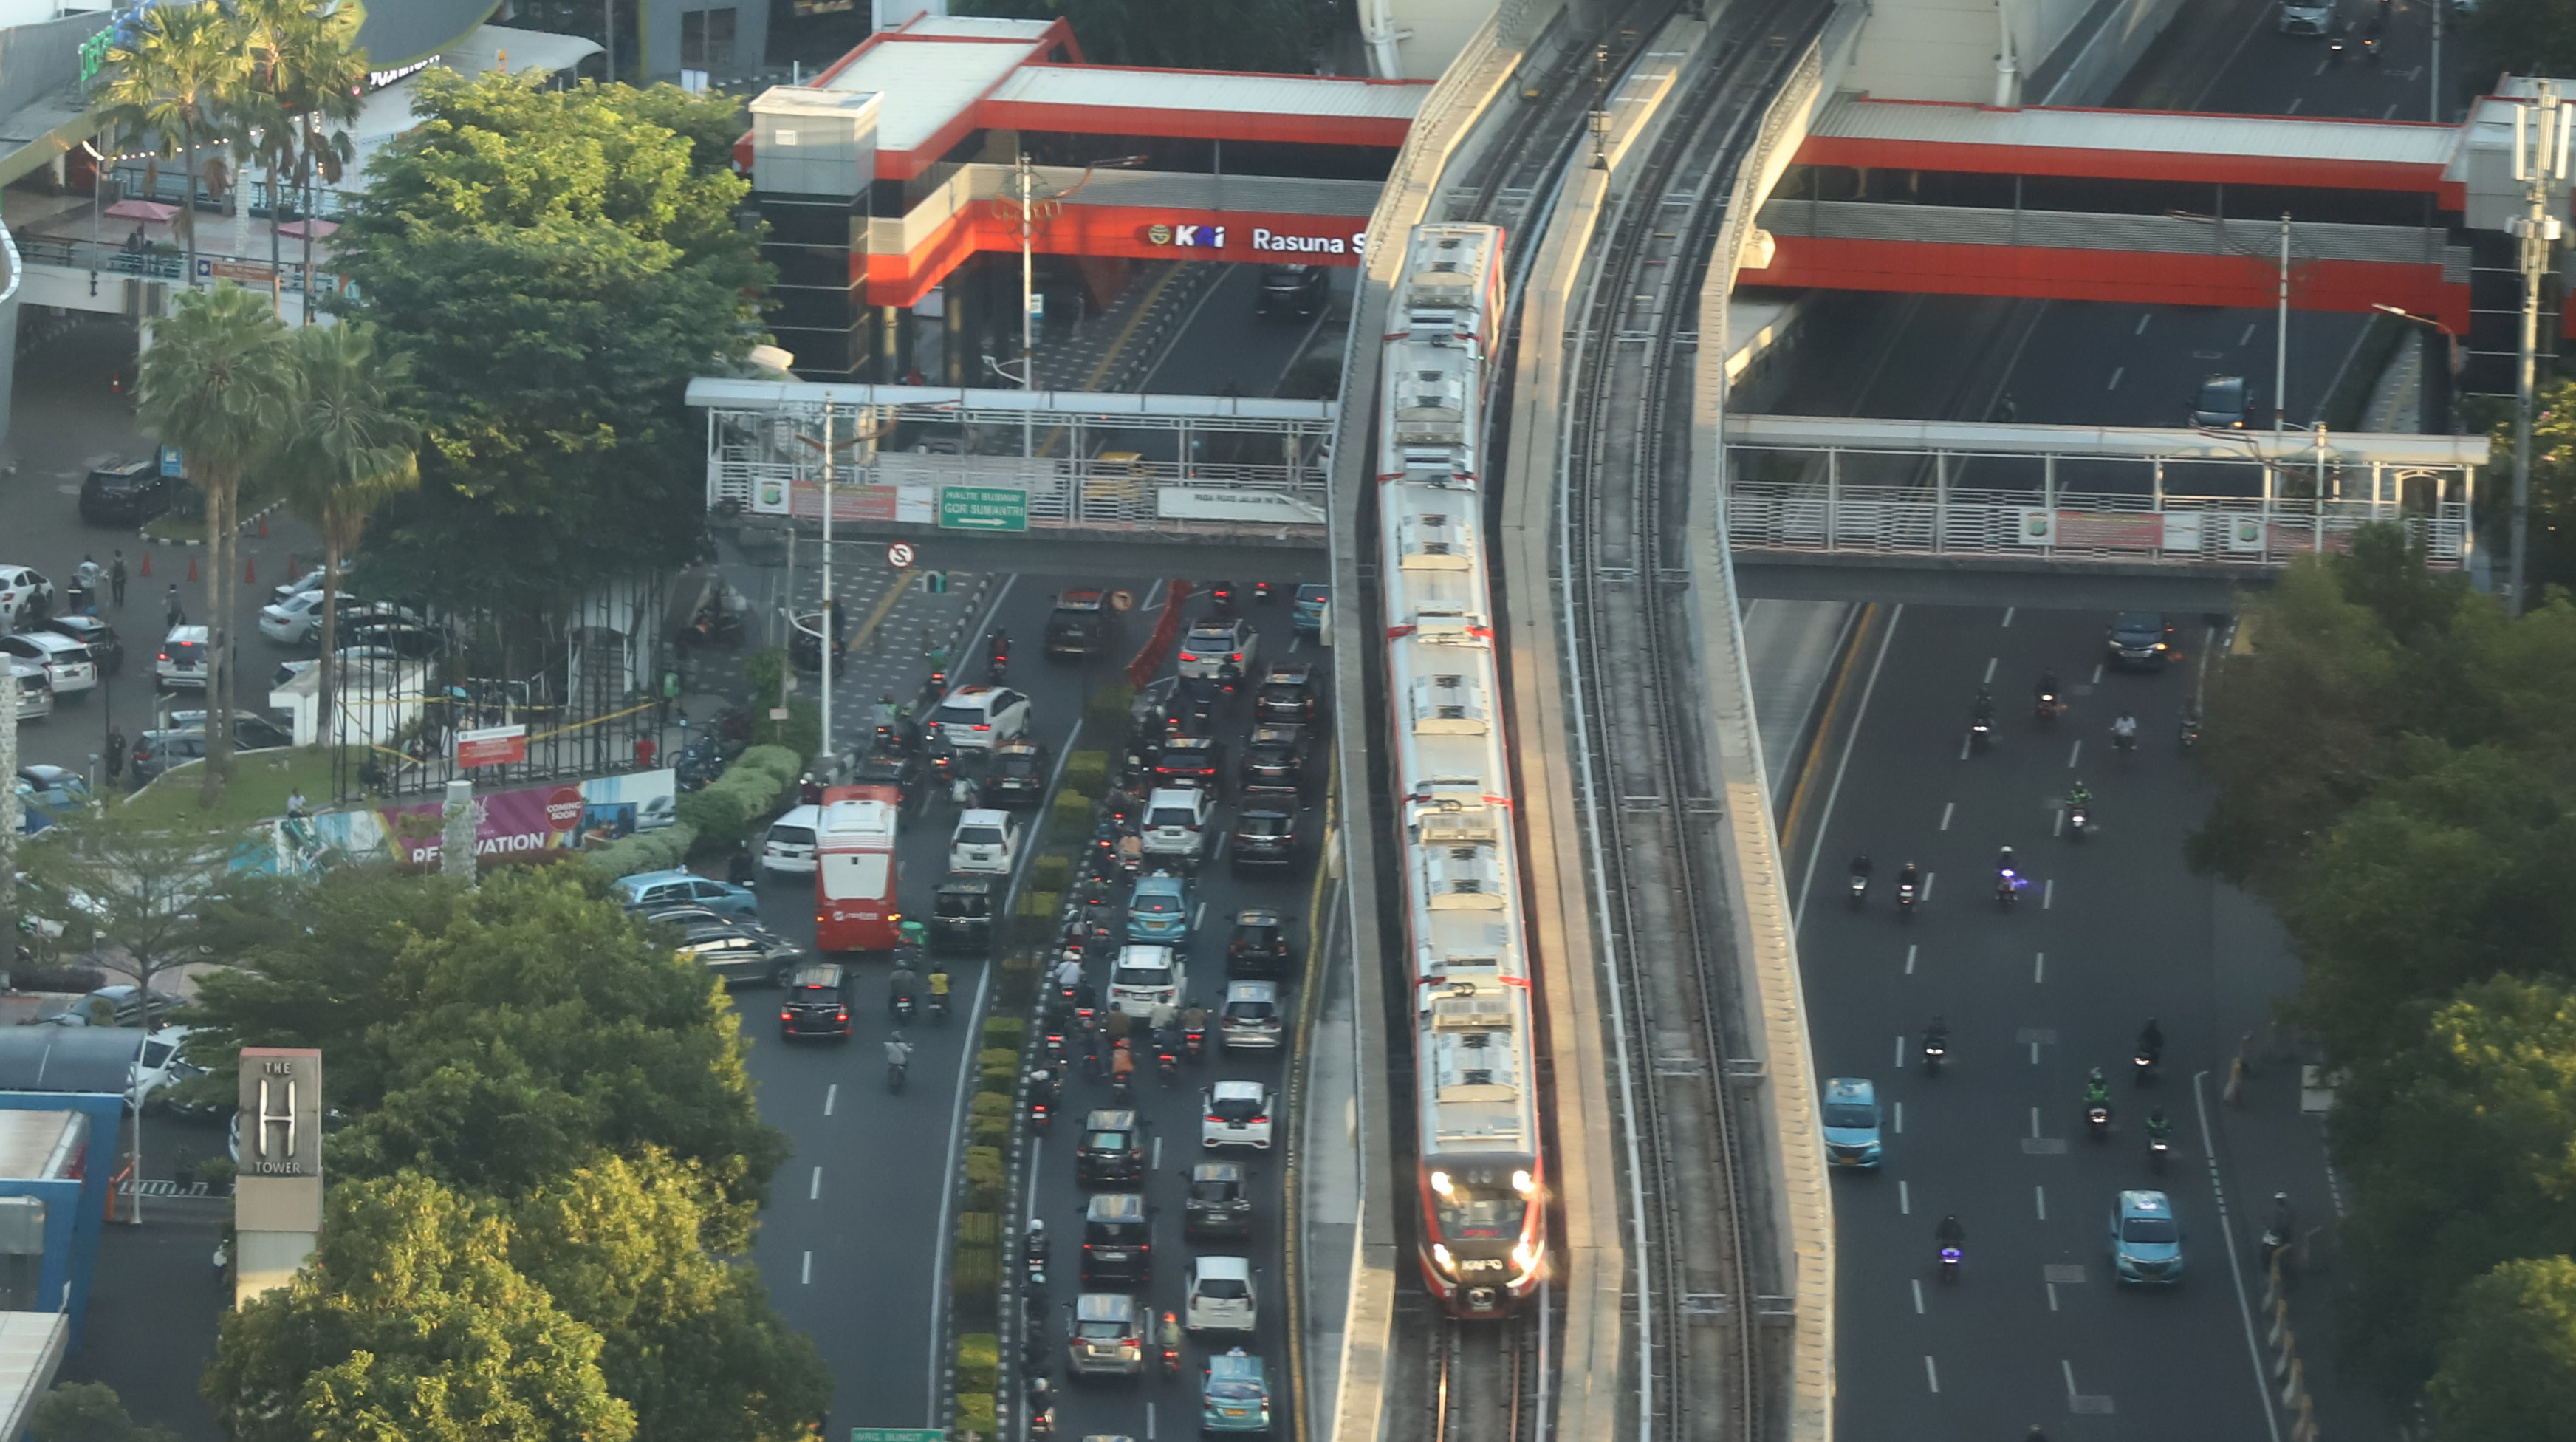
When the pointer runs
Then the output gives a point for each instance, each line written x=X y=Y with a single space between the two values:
x=1482 y=1181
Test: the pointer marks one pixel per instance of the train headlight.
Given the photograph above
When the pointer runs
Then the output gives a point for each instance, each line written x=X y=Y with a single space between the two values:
x=1440 y=1183
x=1521 y=1182
x=1440 y=1258
x=1524 y=1256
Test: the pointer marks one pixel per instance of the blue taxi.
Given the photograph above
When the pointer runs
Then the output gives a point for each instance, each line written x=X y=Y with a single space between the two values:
x=2146 y=1239
x=1851 y=1122
x=1234 y=1396
x=1158 y=910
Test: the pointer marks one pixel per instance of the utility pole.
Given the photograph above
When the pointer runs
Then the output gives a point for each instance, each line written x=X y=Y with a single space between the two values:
x=823 y=621
x=1028 y=182
x=9 y=816
x=2540 y=132
x=2433 y=72
x=2281 y=338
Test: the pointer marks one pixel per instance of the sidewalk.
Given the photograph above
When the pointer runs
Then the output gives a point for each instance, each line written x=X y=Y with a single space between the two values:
x=1113 y=350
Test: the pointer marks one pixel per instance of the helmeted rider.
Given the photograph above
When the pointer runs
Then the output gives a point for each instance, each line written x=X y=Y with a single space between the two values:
x=2159 y=1127
x=2125 y=729
x=1860 y=865
x=2047 y=689
x=898 y=1051
x=902 y=984
x=2151 y=1040
x=2097 y=1091
x=1910 y=879
x=1949 y=1233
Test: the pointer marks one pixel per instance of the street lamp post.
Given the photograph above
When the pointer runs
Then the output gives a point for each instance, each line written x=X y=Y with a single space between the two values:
x=823 y=619
x=2540 y=133
x=1026 y=208
x=2451 y=364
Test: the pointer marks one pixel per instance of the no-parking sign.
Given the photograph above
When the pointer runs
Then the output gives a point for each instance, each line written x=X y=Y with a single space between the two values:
x=899 y=555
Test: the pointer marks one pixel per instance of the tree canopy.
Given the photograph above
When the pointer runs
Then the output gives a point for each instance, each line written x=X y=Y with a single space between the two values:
x=558 y=264
x=2509 y=1372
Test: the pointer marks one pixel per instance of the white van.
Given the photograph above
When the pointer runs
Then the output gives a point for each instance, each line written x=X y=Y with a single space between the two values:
x=789 y=847
x=1144 y=978
x=35 y=694
x=1220 y=1295
x=986 y=842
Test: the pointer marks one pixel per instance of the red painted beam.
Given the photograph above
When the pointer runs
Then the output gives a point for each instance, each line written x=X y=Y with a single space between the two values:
x=1193 y=124
x=2034 y=273
x=1114 y=230
x=2089 y=164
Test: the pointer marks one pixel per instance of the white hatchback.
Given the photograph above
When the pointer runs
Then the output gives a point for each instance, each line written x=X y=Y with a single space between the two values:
x=986 y=842
x=1219 y=1295
x=67 y=663
x=1236 y=1114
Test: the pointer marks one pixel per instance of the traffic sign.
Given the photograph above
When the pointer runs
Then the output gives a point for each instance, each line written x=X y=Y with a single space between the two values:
x=899 y=555
x=897 y=1434
x=1122 y=600
x=983 y=508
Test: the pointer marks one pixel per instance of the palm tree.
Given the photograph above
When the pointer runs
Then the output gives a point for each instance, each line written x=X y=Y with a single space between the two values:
x=350 y=449
x=306 y=74
x=173 y=93
x=219 y=382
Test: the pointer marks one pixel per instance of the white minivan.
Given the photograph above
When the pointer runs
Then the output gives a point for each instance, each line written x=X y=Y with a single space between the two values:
x=67 y=663
x=789 y=847
x=35 y=694
x=1220 y=1295
x=986 y=842
x=1144 y=978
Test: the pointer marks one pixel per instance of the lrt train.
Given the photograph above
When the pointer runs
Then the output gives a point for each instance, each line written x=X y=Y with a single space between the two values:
x=1482 y=1179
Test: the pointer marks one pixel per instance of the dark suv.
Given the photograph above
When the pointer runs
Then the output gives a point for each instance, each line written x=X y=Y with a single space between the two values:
x=1286 y=697
x=1265 y=829
x=817 y=1002
x=1117 y=1242
x=2143 y=639
x=961 y=914
x=1079 y=626
x=1295 y=290
x=127 y=493
x=1275 y=756
x=1113 y=1149
x=1259 y=946
x=1219 y=1204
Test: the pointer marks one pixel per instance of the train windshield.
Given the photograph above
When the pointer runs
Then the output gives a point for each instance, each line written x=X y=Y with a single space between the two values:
x=1482 y=1201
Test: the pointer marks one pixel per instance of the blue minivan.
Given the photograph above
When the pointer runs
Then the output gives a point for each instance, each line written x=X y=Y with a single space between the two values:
x=1851 y=1122
x=1159 y=910
x=1307 y=615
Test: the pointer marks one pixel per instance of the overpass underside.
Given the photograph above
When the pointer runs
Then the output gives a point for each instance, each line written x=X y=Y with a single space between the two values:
x=2139 y=259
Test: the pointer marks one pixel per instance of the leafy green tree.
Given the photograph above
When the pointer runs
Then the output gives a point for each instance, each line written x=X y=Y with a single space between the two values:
x=691 y=1341
x=410 y=1322
x=2508 y=1373
x=305 y=87
x=89 y=1412
x=351 y=451
x=559 y=264
x=173 y=94
x=126 y=893
x=2462 y=1151
x=220 y=384
x=505 y=1029
x=2524 y=37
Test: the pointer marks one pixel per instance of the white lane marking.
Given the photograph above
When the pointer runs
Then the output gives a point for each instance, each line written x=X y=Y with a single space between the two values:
x=1904 y=1200
x=2235 y=1269
x=1909 y=958
x=1931 y=1373
x=2048 y=893
x=1817 y=848
x=1918 y=1296
x=2116 y=373
x=1965 y=740
x=2034 y=1061
x=2390 y=113
x=2069 y=1369
x=831 y=1094
x=1900 y=1106
x=2322 y=64
x=2058 y=826
x=2097 y=673
x=1198 y=915
x=1153 y=598
x=2248 y=337
x=1947 y=807
x=1990 y=669
x=1158 y=1151
x=2039 y=1198
x=2295 y=103
x=1149 y=1422
x=2008 y=615
x=2034 y=1111
x=2039 y=968
x=814 y=1188
x=1900 y=1052
x=2052 y=1296
x=1219 y=853
x=806 y=1277
x=2142 y=323
x=1295 y=640
x=2073 y=752
x=1927 y=886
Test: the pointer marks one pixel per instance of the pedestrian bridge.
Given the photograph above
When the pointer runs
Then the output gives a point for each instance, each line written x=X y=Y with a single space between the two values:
x=2086 y=497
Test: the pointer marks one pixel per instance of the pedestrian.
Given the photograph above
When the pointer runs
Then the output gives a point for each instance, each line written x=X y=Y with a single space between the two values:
x=114 y=760
x=116 y=578
x=644 y=751
x=295 y=804
x=178 y=614
x=670 y=694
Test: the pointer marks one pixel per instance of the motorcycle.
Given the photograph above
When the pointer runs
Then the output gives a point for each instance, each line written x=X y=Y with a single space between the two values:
x=1033 y=1253
x=1167 y=1066
x=1261 y=593
x=2045 y=710
x=1041 y=1408
x=2126 y=741
x=2190 y=736
x=1859 y=891
x=2097 y=1115
x=1949 y=1264
x=1981 y=734
x=2079 y=819
x=1936 y=1050
x=2370 y=47
x=1905 y=900
x=1194 y=1043
x=939 y=1007
x=1042 y=1104
x=2145 y=1064
x=894 y=1077
x=2158 y=1148
x=2007 y=887
x=901 y=1007
x=1171 y=1351
x=2335 y=45
x=1221 y=596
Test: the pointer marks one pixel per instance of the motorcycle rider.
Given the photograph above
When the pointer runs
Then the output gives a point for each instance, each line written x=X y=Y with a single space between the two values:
x=1170 y=1338
x=1949 y=1233
x=2151 y=1041
x=2079 y=794
x=898 y=1052
x=1937 y=1034
x=1909 y=882
x=2124 y=732
x=2159 y=1127
x=2047 y=689
x=1122 y=1063
x=939 y=985
x=2097 y=1092
x=1194 y=1018
x=912 y=934
x=901 y=985
x=1860 y=866
x=1068 y=973
x=1984 y=711
x=1229 y=677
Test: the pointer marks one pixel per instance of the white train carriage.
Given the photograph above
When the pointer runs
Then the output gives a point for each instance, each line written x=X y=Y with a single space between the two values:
x=1452 y=286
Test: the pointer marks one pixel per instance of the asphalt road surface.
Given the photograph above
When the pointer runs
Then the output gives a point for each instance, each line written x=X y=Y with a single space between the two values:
x=849 y=1243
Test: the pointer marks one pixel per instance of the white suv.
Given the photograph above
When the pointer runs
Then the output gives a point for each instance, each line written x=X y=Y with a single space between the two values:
x=1210 y=644
x=986 y=843
x=1146 y=977
x=182 y=662
x=1176 y=819
x=979 y=718
x=1236 y=1114
x=67 y=663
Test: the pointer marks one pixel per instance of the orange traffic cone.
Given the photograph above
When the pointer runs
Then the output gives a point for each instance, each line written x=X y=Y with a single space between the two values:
x=250 y=570
x=147 y=563
x=263 y=525
x=192 y=568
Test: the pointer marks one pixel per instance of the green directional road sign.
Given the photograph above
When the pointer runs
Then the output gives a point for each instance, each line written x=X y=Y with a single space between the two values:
x=897 y=1434
x=983 y=508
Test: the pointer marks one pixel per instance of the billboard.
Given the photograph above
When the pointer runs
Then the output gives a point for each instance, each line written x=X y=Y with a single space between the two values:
x=550 y=817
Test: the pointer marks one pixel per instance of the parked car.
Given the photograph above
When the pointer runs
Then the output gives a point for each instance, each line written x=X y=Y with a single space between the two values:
x=25 y=596
x=68 y=664
x=47 y=794
x=105 y=647
x=35 y=693
x=655 y=889
x=127 y=493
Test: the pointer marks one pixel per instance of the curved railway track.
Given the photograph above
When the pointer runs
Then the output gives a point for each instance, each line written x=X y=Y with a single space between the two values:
x=1650 y=804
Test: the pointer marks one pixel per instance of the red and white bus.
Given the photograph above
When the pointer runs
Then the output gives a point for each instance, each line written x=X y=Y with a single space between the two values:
x=854 y=870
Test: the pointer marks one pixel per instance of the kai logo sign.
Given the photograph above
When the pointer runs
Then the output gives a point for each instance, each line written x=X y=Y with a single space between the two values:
x=1197 y=237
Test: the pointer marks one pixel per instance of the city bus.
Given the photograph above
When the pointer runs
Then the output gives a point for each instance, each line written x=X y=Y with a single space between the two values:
x=854 y=869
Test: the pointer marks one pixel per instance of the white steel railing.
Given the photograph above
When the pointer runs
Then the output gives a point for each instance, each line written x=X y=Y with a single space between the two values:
x=1827 y=514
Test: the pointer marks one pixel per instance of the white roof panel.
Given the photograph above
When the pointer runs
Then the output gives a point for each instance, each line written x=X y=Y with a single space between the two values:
x=926 y=83
x=1849 y=117
x=1212 y=93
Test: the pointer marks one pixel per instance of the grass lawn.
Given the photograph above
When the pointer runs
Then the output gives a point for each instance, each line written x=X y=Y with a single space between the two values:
x=261 y=782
